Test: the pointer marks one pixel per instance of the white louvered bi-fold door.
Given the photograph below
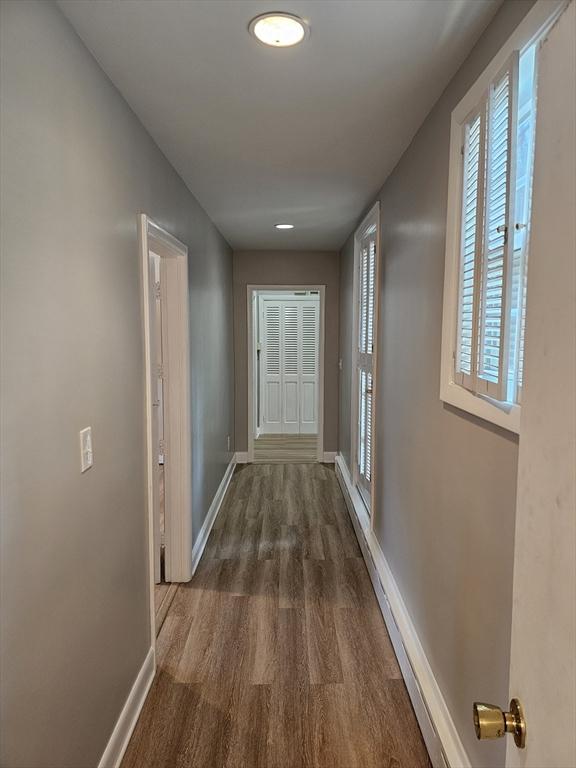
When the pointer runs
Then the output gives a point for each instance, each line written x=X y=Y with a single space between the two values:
x=290 y=359
x=290 y=330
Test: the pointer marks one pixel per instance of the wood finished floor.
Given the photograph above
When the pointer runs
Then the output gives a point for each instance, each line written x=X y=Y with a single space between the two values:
x=276 y=655
x=286 y=449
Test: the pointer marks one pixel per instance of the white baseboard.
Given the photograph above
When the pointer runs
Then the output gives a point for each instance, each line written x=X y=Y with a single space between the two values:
x=440 y=734
x=329 y=457
x=200 y=542
x=241 y=457
x=125 y=724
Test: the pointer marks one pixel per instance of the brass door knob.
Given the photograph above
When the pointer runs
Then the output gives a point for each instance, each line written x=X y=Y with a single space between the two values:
x=490 y=722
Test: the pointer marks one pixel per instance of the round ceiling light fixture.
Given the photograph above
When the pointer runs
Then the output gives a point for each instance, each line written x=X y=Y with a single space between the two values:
x=284 y=226
x=280 y=30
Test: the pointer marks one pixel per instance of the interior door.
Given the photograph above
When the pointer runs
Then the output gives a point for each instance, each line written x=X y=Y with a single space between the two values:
x=290 y=364
x=155 y=315
x=543 y=666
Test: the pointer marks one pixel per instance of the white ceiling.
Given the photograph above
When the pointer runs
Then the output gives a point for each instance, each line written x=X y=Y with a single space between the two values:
x=261 y=135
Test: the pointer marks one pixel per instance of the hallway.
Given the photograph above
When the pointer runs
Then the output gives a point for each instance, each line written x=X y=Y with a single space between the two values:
x=283 y=479
x=276 y=654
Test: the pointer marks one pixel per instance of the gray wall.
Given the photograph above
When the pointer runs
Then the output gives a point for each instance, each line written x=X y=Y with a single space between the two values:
x=447 y=481
x=286 y=268
x=77 y=167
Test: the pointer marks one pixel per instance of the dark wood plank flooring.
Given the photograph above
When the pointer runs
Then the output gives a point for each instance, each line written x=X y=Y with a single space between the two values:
x=276 y=654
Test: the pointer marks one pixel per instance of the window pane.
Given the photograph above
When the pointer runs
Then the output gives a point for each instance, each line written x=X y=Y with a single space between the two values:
x=524 y=168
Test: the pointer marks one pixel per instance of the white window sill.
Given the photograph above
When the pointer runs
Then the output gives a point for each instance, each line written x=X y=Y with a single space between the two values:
x=505 y=415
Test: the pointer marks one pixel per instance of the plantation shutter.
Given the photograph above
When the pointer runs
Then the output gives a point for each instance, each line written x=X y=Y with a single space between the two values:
x=471 y=245
x=486 y=250
x=365 y=355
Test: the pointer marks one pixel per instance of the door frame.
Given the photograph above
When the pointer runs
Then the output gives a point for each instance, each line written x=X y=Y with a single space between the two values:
x=372 y=215
x=177 y=428
x=250 y=291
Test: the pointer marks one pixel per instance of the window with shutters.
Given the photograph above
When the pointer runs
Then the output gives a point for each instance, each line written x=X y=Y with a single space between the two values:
x=366 y=242
x=487 y=241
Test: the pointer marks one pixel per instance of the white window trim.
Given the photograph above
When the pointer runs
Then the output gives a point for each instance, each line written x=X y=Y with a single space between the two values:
x=505 y=415
x=372 y=217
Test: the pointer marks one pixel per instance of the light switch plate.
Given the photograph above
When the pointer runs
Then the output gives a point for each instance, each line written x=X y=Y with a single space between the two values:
x=86 y=452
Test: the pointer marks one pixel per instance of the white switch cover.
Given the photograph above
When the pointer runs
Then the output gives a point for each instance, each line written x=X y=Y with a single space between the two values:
x=86 y=453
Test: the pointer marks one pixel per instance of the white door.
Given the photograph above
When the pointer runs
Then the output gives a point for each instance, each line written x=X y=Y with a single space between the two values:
x=290 y=365
x=156 y=386
x=543 y=666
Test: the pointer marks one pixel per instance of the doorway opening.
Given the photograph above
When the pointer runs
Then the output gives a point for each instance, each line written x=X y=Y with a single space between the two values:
x=285 y=374
x=164 y=267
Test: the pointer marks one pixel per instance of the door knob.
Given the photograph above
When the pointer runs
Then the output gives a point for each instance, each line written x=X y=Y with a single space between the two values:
x=491 y=723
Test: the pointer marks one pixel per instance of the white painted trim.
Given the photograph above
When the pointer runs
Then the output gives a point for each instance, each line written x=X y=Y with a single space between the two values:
x=178 y=539
x=438 y=729
x=148 y=399
x=212 y=514
x=250 y=289
x=329 y=457
x=373 y=216
x=114 y=752
x=241 y=457
x=505 y=415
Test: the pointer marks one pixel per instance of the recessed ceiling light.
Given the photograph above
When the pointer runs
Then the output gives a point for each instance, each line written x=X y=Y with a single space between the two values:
x=280 y=30
x=284 y=226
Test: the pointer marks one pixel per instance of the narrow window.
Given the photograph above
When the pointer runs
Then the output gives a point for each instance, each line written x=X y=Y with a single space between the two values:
x=366 y=254
x=497 y=146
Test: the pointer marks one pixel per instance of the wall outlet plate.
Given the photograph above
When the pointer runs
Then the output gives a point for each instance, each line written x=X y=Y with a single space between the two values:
x=86 y=452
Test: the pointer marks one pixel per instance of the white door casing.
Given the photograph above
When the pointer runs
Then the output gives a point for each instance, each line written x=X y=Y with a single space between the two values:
x=172 y=336
x=543 y=663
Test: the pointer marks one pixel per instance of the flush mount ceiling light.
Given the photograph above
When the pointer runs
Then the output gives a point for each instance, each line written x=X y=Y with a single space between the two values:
x=284 y=226
x=280 y=30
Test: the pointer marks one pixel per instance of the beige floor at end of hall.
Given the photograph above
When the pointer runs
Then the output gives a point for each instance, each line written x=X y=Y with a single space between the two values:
x=285 y=449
